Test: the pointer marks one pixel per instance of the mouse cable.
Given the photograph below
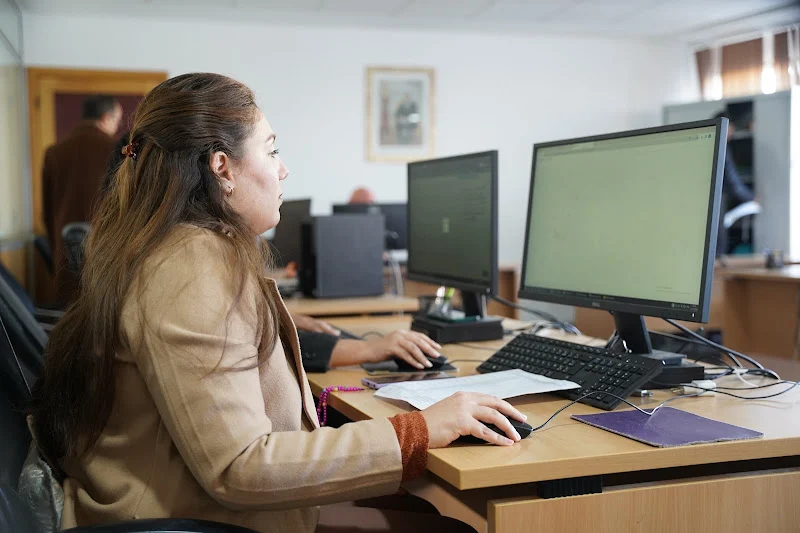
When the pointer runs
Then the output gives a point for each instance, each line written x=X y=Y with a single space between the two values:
x=648 y=413
x=656 y=408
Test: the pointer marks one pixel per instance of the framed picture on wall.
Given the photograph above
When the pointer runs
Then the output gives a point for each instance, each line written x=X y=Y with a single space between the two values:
x=400 y=113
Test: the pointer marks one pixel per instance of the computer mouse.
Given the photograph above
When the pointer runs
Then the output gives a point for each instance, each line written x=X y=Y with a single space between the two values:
x=523 y=428
x=436 y=362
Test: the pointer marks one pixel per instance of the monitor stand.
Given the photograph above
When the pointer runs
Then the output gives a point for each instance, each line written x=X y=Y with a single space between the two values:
x=474 y=326
x=632 y=329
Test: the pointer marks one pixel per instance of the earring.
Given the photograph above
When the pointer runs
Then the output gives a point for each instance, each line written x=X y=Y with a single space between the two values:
x=229 y=192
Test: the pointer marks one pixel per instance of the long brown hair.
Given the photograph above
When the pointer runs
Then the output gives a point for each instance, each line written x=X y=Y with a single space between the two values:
x=176 y=128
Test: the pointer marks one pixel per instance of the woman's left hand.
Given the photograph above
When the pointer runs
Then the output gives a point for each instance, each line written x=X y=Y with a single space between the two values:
x=410 y=346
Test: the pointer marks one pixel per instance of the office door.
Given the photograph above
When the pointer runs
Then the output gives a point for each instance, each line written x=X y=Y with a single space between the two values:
x=54 y=101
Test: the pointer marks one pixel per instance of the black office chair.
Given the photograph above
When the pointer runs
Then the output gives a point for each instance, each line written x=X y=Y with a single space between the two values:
x=42 y=245
x=74 y=236
x=15 y=392
x=45 y=317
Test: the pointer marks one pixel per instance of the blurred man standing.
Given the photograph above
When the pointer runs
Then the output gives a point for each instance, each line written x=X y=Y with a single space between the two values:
x=72 y=175
x=734 y=190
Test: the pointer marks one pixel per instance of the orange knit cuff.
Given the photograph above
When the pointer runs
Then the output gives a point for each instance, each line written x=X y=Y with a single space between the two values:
x=412 y=434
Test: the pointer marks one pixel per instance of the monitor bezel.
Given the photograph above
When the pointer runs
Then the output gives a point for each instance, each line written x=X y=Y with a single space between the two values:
x=462 y=284
x=638 y=306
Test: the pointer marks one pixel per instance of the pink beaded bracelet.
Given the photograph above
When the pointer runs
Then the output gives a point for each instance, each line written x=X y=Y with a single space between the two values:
x=322 y=406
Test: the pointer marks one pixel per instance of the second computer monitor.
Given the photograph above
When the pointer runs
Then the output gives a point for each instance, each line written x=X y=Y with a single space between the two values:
x=452 y=222
x=627 y=222
x=286 y=243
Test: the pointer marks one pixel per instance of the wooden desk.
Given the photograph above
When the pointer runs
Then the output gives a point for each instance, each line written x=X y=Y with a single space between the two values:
x=741 y=486
x=762 y=312
x=600 y=323
x=323 y=307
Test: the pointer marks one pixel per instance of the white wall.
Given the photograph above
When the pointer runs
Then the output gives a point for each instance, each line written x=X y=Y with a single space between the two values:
x=14 y=199
x=493 y=91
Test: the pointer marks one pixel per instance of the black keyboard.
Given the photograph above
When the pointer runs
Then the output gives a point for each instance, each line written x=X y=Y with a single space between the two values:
x=594 y=369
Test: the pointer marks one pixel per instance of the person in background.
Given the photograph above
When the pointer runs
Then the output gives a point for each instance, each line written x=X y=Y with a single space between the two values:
x=734 y=190
x=72 y=174
x=173 y=387
x=362 y=195
x=320 y=343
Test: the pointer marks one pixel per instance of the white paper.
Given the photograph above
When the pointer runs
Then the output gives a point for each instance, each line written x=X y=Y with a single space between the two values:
x=742 y=210
x=505 y=384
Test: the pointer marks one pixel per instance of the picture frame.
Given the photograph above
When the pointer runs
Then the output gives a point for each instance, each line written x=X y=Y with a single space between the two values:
x=400 y=113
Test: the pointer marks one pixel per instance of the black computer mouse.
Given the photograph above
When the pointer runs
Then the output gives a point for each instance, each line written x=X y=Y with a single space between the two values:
x=436 y=362
x=523 y=428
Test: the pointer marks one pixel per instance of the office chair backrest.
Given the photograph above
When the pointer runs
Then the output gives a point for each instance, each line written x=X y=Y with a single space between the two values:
x=42 y=245
x=15 y=396
x=74 y=236
x=15 y=515
x=19 y=291
x=25 y=334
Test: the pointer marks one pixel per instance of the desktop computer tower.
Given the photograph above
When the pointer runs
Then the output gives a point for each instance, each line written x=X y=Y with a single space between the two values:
x=342 y=256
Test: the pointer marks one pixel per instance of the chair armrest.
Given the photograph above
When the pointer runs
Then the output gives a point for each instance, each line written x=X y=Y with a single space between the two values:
x=162 y=525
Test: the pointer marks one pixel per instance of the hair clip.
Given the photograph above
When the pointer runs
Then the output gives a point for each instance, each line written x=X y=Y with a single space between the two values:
x=129 y=150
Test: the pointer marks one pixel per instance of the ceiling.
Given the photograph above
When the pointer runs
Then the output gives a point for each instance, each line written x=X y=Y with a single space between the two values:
x=685 y=20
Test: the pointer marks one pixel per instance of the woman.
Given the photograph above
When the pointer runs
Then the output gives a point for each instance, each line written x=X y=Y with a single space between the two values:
x=319 y=342
x=173 y=385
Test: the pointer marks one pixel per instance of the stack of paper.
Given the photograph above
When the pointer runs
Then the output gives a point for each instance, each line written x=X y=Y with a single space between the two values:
x=506 y=384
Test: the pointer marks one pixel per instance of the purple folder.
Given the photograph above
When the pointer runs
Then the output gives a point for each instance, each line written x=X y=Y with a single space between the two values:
x=668 y=427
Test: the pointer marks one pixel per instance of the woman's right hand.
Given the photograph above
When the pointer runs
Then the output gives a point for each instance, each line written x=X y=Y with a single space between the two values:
x=464 y=413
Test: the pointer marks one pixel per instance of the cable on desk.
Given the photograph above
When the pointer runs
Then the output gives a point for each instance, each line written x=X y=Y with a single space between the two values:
x=373 y=333
x=659 y=406
x=648 y=413
x=752 y=388
x=686 y=341
x=704 y=389
x=733 y=354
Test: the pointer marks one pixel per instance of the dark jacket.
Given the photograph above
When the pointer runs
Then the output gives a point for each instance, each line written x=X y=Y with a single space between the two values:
x=732 y=185
x=316 y=350
x=71 y=178
x=734 y=192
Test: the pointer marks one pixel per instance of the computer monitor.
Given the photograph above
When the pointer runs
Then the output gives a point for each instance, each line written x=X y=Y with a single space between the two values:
x=395 y=216
x=287 y=243
x=627 y=222
x=452 y=225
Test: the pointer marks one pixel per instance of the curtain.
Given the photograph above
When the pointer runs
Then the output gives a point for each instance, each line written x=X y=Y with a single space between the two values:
x=793 y=51
x=741 y=68
x=782 y=61
x=704 y=71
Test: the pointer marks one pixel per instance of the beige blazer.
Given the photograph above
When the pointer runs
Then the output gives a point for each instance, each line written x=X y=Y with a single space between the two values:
x=242 y=446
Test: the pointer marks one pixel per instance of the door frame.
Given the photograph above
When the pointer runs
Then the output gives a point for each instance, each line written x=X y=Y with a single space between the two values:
x=43 y=84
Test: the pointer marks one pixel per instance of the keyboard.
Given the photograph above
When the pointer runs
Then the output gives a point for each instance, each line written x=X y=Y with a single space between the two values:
x=594 y=369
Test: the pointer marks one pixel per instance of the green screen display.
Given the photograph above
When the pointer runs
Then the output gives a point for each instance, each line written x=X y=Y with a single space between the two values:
x=623 y=217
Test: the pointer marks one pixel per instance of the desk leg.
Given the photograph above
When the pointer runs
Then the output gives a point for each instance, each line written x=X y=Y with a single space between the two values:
x=450 y=501
x=730 y=504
